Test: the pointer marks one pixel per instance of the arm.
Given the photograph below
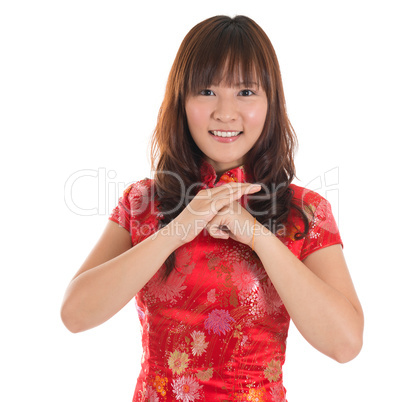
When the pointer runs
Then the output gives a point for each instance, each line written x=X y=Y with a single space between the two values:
x=318 y=294
x=114 y=272
x=112 y=275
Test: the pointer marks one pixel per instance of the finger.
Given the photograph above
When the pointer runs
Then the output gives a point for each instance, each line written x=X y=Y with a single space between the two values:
x=252 y=188
x=231 y=188
x=222 y=235
x=232 y=192
x=218 y=231
x=247 y=188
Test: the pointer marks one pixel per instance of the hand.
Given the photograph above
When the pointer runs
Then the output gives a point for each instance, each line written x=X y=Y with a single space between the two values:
x=213 y=207
x=232 y=221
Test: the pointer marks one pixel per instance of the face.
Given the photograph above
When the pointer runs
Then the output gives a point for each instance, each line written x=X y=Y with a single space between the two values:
x=221 y=110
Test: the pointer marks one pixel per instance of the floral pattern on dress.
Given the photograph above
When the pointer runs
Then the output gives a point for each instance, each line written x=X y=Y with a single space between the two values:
x=169 y=291
x=198 y=345
x=205 y=375
x=254 y=395
x=268 y=300
x=218 y=322
x=160 y=384
x=152 y=389
x=184 y=262
x=216 y=330
x=186 y=389
x=273 y=370
x=150 y=394
x=278 y=393
x=211 y=296
x=247 y=277
x=178 y=362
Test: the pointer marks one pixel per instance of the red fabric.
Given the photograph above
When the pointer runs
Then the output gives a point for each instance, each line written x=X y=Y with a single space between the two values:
x=217 y=329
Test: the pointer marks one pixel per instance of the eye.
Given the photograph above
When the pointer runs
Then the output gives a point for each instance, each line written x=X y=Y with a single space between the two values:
x=246 y=92
x=206 y=92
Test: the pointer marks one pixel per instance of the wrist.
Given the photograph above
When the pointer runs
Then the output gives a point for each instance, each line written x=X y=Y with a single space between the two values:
x=260 y=233
x=171 y=235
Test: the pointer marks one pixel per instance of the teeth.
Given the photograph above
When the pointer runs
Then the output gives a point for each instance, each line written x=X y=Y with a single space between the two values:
x=226 y=133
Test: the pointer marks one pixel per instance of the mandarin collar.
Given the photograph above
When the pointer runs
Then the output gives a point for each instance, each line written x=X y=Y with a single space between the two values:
x=208 y=175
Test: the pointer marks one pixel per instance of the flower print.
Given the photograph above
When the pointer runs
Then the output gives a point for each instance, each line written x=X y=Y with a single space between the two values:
x=233 y=175
x=244 y=340
x=199 y=344
x=178 y=361
x=169 y=290
x=237 y=333
x=278 y=393
x=218 y=321
x=159 y=384
x=186 y=388
x=273 y=371
x=205 y=375
x=184 y=260
x=323 y=218
x=268 y=300
x=213 y=261
x=139 y=196
x=254 y=394
x=246 y=277
x=319 y=213
x=211 y=296
x=150 y=395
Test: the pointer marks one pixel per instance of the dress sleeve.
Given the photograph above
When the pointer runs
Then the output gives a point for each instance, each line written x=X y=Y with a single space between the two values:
x=135 y=211
x=121 y=214
x=323 y=230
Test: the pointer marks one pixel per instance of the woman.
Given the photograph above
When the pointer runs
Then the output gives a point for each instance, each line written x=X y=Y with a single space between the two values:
x=218 y=265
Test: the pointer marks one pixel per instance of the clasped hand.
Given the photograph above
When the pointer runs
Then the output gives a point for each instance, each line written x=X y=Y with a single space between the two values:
x=217 y=210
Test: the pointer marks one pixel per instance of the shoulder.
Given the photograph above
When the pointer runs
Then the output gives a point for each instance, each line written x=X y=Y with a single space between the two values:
x=138 y=188
x=313 y=205
x=137 y=209
x=317 y=209
x=304 y=197
x=138 y=197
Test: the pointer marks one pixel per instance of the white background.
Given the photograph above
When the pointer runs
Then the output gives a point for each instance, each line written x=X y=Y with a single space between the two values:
x=81 y=83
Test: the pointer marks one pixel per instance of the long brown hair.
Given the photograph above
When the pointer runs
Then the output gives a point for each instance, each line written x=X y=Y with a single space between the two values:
x=223 y=49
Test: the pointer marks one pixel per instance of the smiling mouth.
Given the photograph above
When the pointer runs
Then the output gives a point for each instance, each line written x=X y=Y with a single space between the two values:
x=226 y=133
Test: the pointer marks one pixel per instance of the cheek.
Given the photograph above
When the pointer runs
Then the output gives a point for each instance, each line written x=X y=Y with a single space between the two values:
x=197 y=115
x=257 y=115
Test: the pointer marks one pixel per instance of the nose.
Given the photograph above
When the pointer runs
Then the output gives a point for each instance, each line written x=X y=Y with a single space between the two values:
x=225 y=110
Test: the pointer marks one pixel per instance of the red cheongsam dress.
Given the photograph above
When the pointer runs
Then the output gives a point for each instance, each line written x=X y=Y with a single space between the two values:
x=216 y=329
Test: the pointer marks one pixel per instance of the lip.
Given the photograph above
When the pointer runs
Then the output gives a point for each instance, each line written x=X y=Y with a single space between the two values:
x=225 y=139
